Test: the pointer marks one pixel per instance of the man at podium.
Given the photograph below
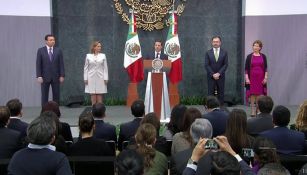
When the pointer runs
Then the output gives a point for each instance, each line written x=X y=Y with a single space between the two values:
x=158 y=53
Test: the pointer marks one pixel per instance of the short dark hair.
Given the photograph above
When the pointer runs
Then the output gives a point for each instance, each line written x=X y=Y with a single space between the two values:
x=212 y=102
x=152 y=119
x=99 y=110
x=158 y=40
x=265 y=104
x=14 y=106
x=4 y=116
x=49 y=35
x=216 y=36
x=130 y=162
x=138 y=108
x=265 y=149
x=281 y=116
x=52 y=106
x=41 y=131
x=86 y=122
x=224 y=163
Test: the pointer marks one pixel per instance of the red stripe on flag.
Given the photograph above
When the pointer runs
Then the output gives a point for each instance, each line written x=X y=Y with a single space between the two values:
x=175 y=74
x=135 y=71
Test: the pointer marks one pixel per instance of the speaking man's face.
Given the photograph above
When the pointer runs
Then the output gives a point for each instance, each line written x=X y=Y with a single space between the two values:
x=158 y=46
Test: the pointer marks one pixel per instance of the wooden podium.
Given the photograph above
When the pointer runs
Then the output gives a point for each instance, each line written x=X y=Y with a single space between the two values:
x=157 y=96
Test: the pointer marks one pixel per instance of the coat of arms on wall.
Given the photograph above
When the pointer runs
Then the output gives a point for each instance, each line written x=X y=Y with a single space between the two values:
x=149 y=13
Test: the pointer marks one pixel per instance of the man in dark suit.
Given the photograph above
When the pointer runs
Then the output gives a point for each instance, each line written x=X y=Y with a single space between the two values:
x=128 y=130
x=263 y=121
x=287 y=141
x=10 y=140
x=216 y=62
x=158 y=53
x=217 y=117
x=15 y=107
x=50 y=69
x=102 y=129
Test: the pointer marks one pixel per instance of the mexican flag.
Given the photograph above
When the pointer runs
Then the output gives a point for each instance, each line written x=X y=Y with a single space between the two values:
x=133 y=61
x=172 y=49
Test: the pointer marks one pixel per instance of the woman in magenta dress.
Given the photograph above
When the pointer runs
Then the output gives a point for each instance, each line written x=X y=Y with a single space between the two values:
x=256 y=75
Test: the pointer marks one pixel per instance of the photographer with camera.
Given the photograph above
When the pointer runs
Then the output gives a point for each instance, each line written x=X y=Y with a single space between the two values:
x=225 y=161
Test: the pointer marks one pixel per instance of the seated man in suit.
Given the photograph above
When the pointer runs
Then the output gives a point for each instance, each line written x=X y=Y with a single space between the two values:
x=10 y=140
x=158 y=53
x=128 y=130
x=287 y=141
x=217 y=117
x=15 y=107
x=225 y=161
x=102 y=130
x=40 y=156
x=263 y=121
x=200 y=128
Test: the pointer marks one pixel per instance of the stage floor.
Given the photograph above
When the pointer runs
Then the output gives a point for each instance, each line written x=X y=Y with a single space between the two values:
x=114 y=114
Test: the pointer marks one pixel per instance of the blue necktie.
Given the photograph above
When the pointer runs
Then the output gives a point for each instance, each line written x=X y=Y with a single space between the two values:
x=50 y=54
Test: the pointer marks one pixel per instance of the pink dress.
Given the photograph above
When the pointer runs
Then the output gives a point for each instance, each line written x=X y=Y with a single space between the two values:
x=257 y=73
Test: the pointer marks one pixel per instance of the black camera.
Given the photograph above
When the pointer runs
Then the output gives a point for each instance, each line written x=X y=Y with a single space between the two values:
x=247 y=152
x=211 y=144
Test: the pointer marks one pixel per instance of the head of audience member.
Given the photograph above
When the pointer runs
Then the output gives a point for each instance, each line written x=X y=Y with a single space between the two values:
x=145 y=138
x=176 y=118
x=190 y=115
x=158 y=45
x=52 y=106
x=265 y=104
x=129 y=162
x=50 y=40
x=4 y=116
x=236 y=130
x=138 y=108
x=99 y=110
x=86 y=125
x=273 y=169
x=41 y=131
x=15 y=107
x=303 y=170
x=201 y=128
x=216 y=41
x=152 y=118
x=53 y=118
x=301 y=117
x=224 y=163
x=211 y=103
x=265 y=151
x=281 y=116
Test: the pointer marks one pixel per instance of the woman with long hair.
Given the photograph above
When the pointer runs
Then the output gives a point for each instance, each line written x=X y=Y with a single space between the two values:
x=173 y=127
x=301 y=118
x=154 y=161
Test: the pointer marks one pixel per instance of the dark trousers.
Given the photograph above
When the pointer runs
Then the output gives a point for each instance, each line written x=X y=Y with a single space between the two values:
x=55 y=91
x=216 y=85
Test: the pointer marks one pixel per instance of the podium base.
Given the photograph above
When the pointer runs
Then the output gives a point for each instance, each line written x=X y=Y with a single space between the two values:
x=132 y=94
x=174 y=98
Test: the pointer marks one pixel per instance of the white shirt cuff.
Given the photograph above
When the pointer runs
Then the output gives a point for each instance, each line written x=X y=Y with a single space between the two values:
x=192 y=166
x=237 y=156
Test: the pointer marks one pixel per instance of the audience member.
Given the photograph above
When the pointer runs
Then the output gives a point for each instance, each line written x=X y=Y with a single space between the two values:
x=155 y=162
x=183 y=139
x=200 y=128
x=40 y=156
x=287 y=141
x=90 y=146
x=64 y=128
x=15 y=107
x=301 y=119
x=174 y=125
x=127 y=130
x=263 y=120
x=273 y=169
x=217 y=117
x=102 y=130
x=129 y=162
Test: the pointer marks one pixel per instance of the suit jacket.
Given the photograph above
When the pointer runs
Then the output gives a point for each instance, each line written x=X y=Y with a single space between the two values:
x=128 y=130
x=65 y=131
x=10 y=142
x=218 y=119
x=287 y=141
x=18 y=125
x=49 y=70
x=104 y=130
x=152 y=56
x=260 y=123
x=39 y=161
x=212 y=66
